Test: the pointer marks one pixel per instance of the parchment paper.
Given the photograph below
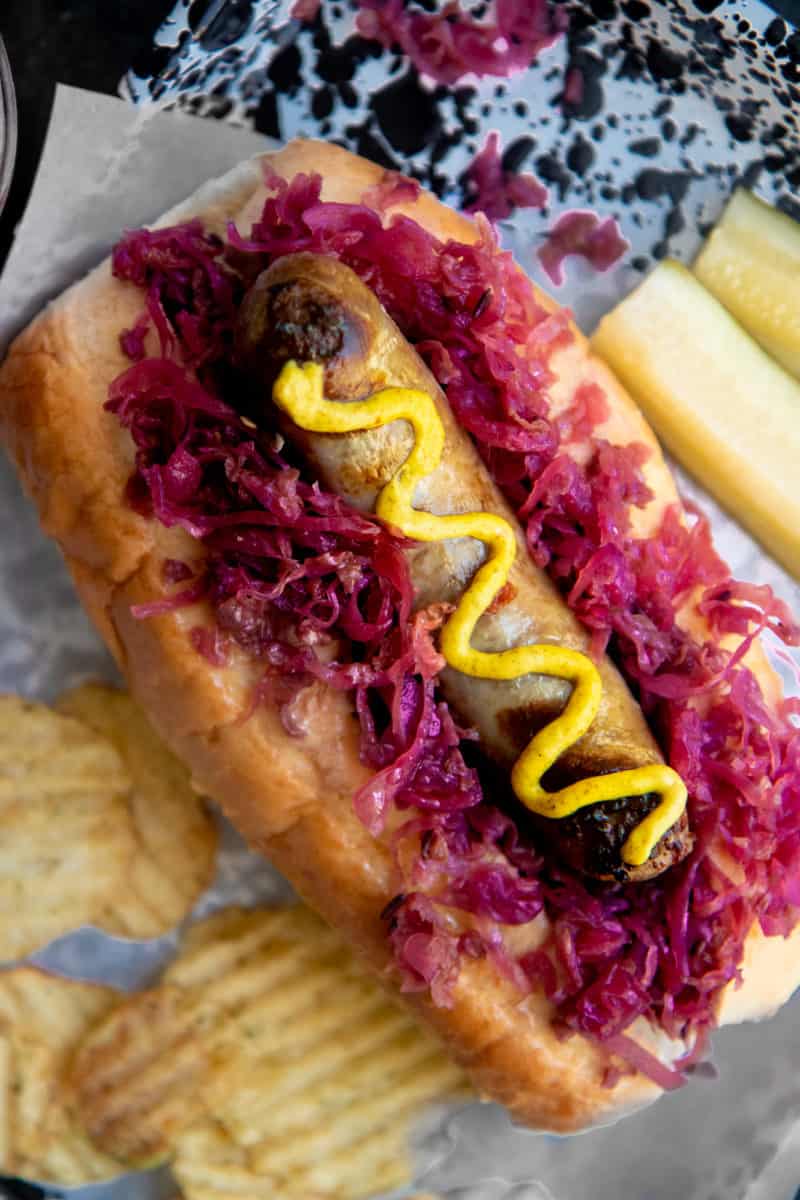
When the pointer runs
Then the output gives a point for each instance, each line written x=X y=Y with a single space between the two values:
x=107 y=166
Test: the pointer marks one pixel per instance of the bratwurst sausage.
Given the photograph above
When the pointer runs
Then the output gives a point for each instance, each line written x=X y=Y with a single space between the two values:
x=311 y=308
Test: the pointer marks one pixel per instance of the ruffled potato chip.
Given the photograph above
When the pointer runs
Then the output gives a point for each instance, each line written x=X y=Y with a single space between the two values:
x=176 y=839
x=42 y=1018
x=268 y=1062
x=67 y=841
x=99 y=824
x=210 y=1166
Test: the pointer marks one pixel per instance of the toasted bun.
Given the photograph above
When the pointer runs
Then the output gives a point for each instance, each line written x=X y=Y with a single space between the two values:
x=292 y=797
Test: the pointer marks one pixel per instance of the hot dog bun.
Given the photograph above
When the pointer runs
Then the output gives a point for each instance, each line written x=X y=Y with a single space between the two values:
x=292 y=797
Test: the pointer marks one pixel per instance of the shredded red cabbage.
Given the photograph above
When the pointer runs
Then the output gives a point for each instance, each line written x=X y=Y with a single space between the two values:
x=586 y=235
x=573 y=87
x=316 y=591
x=446 y=45
x=393 y=188
x=449 y=44
x=289 y=568
x=636 y=1055
x=189 y=294
x=497 y=192
x=304 y=10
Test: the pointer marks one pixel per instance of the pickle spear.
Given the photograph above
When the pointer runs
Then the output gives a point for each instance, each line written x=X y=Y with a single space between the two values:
x=751 y=263
x=723 y=407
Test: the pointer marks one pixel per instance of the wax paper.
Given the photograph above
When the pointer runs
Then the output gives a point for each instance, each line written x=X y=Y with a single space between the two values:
x=107 y=166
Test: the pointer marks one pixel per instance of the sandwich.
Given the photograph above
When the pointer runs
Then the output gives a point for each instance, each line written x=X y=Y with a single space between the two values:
x=398 y=569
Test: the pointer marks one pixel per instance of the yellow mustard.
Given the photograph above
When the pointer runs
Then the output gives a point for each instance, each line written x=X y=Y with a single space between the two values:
x=299 y=393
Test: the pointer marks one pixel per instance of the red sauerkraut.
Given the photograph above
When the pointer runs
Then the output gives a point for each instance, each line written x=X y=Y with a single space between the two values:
x=314 y=590
x=304 y=10
x=449 y=44
x=573 y=92
x=497 y=192
x=586 y=235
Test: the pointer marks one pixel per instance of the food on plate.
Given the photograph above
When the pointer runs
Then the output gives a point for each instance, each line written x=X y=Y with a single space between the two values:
x=293 y=649
x=751 y=263
x=496 y=191
x=68 y=841
x=100 y=825
x=726 y=410
x=583 y=234
x=265 y=1053
x=176 y=836
x=42 y=1018
x=449 y=44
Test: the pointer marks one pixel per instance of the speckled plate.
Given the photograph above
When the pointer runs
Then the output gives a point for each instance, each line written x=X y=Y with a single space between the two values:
x=679 y=104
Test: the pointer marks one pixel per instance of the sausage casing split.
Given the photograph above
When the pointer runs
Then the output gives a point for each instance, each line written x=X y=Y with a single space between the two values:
x=313 y=308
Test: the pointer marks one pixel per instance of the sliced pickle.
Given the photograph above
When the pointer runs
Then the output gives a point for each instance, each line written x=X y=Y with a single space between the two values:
x=751 y=262
x=726 y=411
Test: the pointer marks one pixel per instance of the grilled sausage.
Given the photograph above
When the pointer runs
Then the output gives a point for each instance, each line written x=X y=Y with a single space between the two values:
x=312 y=308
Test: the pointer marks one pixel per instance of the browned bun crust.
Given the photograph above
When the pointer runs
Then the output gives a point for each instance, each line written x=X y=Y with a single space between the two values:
x=291 y=797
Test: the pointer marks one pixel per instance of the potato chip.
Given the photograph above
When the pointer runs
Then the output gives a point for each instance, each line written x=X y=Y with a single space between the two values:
x=136 y=1077
x=66 y=837
x=98 y=823
x=210 y=1166
x=42 y=1018
x=176 y=838
x=268 y=1062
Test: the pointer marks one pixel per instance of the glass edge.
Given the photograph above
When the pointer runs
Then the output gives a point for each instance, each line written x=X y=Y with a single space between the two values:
x=8 y=150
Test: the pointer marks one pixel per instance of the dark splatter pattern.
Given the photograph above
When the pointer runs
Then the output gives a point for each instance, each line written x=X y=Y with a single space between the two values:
x=668 y=107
